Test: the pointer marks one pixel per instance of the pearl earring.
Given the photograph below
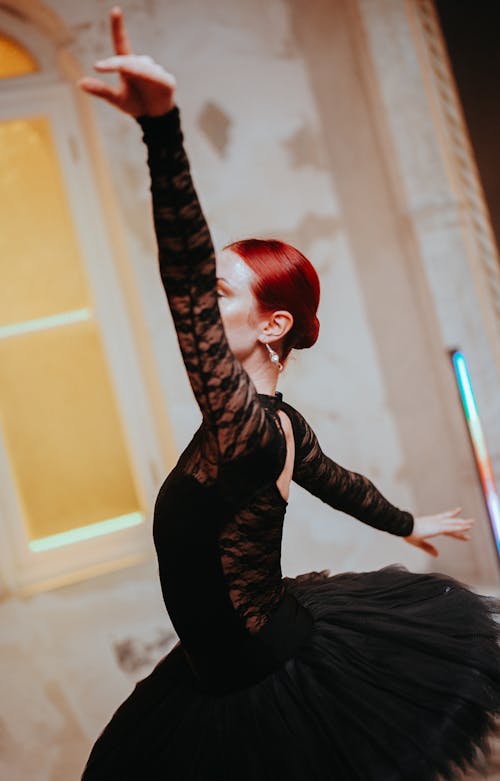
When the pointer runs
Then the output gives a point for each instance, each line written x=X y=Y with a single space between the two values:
x=274 y=358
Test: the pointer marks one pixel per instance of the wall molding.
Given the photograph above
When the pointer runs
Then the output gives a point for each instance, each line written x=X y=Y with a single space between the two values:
x=458 y=152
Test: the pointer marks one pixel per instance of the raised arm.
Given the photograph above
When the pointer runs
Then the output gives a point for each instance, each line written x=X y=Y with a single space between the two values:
x=341 y=488
x=224 y=391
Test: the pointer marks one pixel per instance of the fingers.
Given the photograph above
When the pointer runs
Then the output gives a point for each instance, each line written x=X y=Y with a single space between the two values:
x=460 y=524
x=121 y=41
x=453 y=522
x=132 y=62
x=449 y=513
x=428 y=548
x=423 y=544
x=458 y=535
x=99 y=88
x=142 y=67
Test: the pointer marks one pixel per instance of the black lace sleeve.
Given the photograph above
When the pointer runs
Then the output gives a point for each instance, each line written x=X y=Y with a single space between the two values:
x=341 y=488
x=225 y=393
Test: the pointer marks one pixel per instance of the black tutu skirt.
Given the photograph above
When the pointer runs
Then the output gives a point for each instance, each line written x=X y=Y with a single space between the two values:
x=398 y=679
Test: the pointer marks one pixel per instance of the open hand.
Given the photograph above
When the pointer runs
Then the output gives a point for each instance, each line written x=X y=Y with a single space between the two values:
x=447 y=523
x=145 y=87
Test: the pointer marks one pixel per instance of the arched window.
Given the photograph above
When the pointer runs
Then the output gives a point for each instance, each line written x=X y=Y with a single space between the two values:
x=14 y=59
x=77 y=474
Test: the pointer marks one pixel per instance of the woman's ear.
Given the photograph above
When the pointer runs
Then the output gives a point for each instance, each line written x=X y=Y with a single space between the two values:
x=276 y=327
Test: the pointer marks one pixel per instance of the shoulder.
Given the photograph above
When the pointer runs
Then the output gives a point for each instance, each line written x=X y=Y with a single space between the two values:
x=299 y=424
x=306 y=441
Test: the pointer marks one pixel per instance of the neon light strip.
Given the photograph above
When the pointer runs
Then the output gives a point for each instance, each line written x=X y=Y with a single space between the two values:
x=478 y=443
x=42 y=323
x=86 y=532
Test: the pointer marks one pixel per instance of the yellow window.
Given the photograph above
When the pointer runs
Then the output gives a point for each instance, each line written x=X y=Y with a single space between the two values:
x=59 y=418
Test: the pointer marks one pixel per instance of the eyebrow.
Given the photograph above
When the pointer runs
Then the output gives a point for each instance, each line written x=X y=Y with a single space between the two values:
x=223 y=279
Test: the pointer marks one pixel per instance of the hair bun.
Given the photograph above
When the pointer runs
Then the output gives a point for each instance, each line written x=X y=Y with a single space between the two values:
x=307 y=336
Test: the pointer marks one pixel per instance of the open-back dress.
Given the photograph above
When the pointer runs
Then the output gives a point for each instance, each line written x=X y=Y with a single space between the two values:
x=358 y=676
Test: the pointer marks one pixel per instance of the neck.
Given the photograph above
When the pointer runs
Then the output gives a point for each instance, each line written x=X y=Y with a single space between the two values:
x=263 y=375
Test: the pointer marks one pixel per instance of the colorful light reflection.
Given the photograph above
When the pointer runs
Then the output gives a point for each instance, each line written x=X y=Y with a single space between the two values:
x=478 y=444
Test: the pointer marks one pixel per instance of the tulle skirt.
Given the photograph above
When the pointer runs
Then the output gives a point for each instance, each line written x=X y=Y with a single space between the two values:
x=398 y=679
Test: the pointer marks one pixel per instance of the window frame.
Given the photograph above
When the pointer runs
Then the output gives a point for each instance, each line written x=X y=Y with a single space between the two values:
x=47 y=93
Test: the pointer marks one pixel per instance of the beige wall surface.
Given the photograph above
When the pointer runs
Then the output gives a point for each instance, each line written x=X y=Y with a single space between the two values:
x=296 y=117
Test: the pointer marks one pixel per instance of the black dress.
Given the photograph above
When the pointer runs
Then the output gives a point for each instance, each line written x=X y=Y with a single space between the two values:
x=359 y=676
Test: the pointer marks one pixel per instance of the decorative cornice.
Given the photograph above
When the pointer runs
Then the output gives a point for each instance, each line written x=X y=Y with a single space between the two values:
x=458 y=149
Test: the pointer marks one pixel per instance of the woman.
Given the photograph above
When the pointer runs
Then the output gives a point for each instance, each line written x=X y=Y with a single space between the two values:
x=376 y=675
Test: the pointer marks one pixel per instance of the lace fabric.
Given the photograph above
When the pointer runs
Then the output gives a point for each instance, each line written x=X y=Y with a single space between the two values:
x=235 y=422
x=240 y=446
x=341 y=488
x=250 y=547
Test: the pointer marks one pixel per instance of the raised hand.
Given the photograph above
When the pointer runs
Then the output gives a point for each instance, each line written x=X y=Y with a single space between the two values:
x=145 y=89
x=446 y=523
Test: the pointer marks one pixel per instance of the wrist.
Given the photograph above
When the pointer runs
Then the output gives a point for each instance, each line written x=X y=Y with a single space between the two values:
x=156 y=114
x=409 y=524
x=161 y=126
x=159 y=111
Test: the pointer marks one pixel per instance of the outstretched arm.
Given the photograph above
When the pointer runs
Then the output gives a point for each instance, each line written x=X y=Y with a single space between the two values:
x=341 y=488
x=225 y=393
x=356 y=495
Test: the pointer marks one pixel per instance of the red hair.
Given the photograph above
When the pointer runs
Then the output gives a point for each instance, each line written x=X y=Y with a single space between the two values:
x=285 y=279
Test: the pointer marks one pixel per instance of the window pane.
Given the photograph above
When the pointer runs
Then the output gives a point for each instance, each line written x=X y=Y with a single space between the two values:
x=40 y=265
x=14 y=59
x=62 y=429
